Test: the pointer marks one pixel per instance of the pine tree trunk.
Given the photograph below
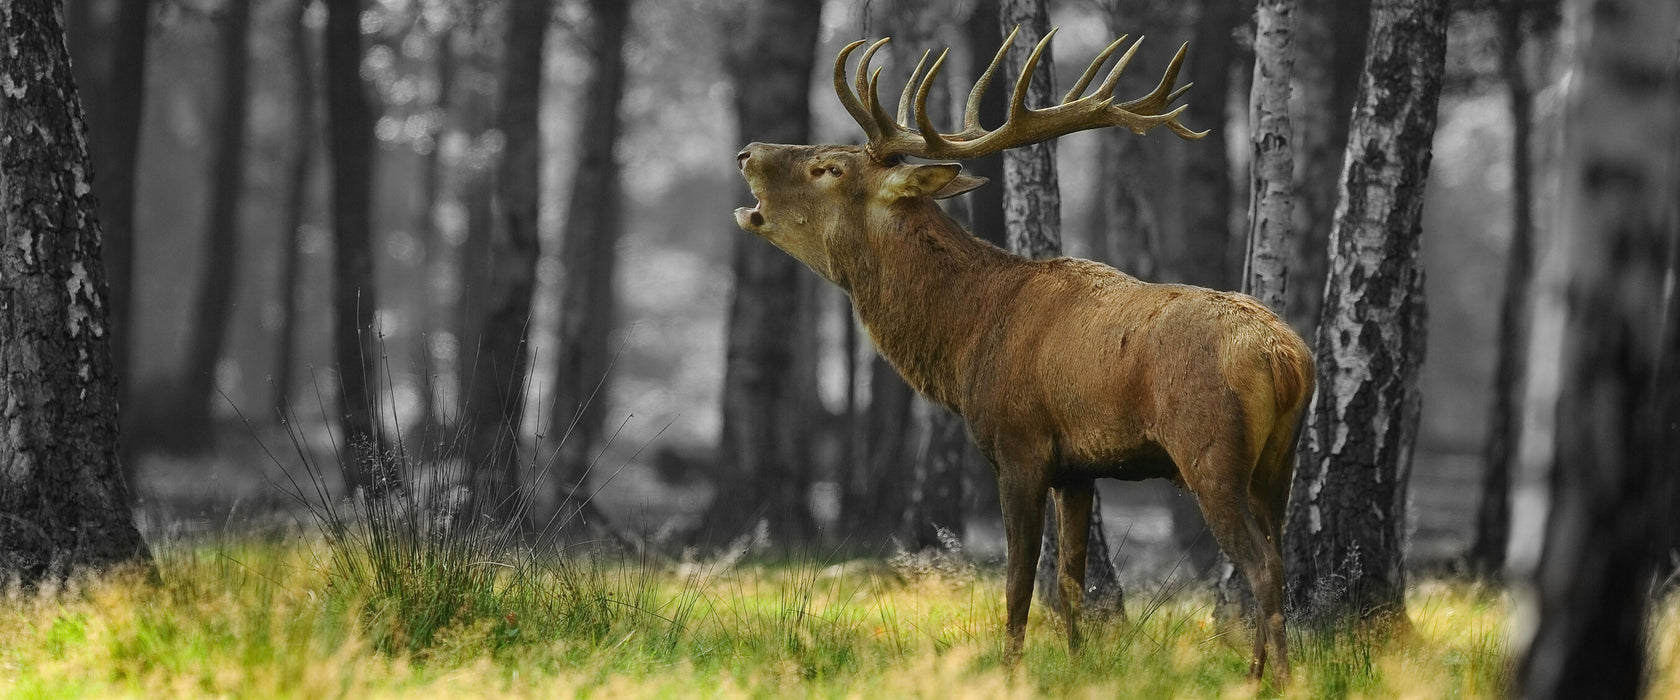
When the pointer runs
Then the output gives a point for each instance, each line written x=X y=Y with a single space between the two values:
x=63 y=504
x=589 y=258
x=932 y=515
x=1033 y=225
x=878 y=485
x=764 y=463
x=1330 y=50
x=1347 y=518
x=1493 y=518
x=222 y=229
x=1207 y=197
x=1607 y=325
x=496 y=397
x=1126 y=221
x=296 y=202
x=355 y=297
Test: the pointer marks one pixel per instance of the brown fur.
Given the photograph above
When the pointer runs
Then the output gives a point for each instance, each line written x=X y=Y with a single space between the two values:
x=1065 y=370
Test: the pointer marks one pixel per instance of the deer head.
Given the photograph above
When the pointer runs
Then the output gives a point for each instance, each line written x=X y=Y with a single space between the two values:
x=812 y=197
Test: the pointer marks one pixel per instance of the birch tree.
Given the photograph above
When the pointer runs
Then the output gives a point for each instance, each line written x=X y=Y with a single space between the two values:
x=63 y=504
x=1348 y=509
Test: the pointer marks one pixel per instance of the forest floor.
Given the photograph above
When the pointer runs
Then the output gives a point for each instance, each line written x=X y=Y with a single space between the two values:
x=251 y=600
x=296 y=616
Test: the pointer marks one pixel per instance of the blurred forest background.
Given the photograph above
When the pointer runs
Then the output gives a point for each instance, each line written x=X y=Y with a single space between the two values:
x=598 y=225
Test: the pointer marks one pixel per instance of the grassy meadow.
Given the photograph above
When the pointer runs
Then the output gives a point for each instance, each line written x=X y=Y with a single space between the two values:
x=302 y=617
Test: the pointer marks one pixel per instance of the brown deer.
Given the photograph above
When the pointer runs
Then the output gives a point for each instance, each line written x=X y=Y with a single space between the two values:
x=1064 y=370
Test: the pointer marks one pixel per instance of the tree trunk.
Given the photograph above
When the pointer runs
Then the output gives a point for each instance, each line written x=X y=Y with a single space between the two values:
x=355 y=296
x=221 y=230
x=496 y=395
x=1033 y=224
x=110 y=64
x=589 y=257
x=63 y=504
x=878 y=483
x=1611 y=330
x=1330 y=50
x=1125 y=221
x=296 y=198
x=932 y=515
x=1493 y=518
x=1207 y=197
x=764 y=465
x=1271 y=200
x=1347 y=518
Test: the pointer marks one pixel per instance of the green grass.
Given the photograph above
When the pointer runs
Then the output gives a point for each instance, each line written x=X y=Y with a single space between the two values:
x=293 y=619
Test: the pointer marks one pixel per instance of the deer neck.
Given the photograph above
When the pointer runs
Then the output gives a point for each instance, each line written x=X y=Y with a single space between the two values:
x=924 y=288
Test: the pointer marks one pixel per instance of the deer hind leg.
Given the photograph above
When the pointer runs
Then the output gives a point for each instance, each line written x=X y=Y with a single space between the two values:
x=1073 y=511
x=1022 y=498
x=1222 y=487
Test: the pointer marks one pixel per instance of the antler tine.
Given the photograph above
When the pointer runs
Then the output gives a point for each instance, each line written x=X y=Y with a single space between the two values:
x=1107 y=88
x=882 y=120
x=971 y=113
x=909 y=88
x=1091 y=70
x=924 y=124
x=849 y=99
x=862 y=80
x=1161 y=96
x=1018 y=101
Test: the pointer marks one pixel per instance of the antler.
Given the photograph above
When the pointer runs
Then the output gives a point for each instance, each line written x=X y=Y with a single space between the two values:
x=889 y=137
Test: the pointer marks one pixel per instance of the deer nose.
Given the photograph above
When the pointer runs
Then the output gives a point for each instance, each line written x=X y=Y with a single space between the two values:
x=741 y=158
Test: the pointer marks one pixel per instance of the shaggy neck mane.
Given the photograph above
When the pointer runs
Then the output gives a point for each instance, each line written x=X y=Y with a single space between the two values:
x=924 y=289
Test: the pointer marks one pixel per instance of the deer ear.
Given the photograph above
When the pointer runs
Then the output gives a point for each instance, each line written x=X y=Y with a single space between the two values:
x=938 y=180
x=959 y=185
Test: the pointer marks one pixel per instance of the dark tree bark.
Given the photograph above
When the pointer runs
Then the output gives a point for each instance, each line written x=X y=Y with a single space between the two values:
x=1612 y=330
x=1271 y=202
x=221 y=228
x=478 y=47
x=589 y=256
x=1347 y=517
x=1330 y=51
x=496 y=395
x=1033 y=224
x=933 y=512
x=982 y=31
x=1125 y=220
x=355 y=297
x=1493 y=518
x=765 y=466
x=1207 y=197
x=114 y=72
x=296 y=198
x=435 y=260
x=878 y=484
x=63 y=504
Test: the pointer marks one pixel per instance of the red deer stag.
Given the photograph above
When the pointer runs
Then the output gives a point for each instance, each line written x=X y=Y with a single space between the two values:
x=1064 y=370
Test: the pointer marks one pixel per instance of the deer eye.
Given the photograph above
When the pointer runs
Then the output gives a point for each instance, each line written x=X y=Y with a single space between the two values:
x=834 y=170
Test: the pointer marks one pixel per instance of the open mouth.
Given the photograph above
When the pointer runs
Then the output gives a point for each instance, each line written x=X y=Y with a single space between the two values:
x=749 y=217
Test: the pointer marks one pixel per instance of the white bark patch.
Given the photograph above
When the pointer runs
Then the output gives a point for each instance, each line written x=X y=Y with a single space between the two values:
x=13 y=90
x=81 y=295
x=81 y=187
x=26 y=246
